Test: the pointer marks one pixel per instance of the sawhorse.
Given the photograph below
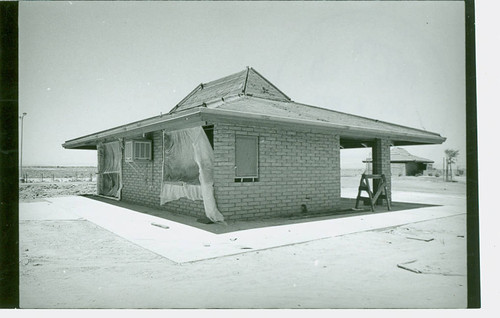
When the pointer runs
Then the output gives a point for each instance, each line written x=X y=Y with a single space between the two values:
x=364 y=185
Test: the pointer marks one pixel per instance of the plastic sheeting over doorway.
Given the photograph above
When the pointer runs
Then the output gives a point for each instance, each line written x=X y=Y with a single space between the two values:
x=110 y=169
x=188 y=161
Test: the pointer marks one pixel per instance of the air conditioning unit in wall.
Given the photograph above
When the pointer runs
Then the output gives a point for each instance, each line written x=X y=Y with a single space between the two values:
x=138 y=150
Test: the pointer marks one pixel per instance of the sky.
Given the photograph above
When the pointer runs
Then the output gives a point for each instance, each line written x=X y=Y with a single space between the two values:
x=86 y=67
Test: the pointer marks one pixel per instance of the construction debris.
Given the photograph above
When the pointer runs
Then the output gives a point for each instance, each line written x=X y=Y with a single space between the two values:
x=408 y=268
x=161 y=225
x=420 y=239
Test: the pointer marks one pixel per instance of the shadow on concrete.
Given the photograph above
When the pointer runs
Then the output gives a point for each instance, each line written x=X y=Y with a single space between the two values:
x=345 y=210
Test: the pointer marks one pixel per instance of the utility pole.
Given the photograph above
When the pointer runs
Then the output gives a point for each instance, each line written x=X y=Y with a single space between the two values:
x=21 y=148
x=443 y=171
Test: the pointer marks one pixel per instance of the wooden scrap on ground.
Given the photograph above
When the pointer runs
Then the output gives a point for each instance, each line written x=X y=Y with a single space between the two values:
x=161 y=225
x=420 y=239
x=408 y=268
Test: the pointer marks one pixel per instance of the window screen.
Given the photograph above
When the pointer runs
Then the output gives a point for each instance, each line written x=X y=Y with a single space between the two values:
x=142 y=150
x=247 y=156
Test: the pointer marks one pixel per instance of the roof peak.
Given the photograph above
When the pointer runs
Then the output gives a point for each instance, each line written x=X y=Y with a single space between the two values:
x=248 y=82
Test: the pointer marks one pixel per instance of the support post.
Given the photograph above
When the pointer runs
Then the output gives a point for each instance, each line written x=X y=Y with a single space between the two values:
x=381 y=164
x=443 y=171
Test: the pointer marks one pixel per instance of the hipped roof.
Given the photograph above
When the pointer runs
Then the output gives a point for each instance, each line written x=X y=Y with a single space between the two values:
x=247 y=97
x=400 y=155
x=248 y=82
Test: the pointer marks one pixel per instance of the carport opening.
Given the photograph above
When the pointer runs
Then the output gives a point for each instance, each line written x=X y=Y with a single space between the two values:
x=357 y=158
x=351 y=169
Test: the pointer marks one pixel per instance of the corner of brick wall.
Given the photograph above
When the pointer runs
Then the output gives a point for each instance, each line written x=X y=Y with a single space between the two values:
x=295 y=168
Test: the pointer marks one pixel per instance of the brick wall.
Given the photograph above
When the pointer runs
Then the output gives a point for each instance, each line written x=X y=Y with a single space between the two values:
x=295 y=168
x=142 y=183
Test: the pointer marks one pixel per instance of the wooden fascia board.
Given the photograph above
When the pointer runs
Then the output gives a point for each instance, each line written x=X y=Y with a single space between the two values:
x=344 y=131
x=178 y=122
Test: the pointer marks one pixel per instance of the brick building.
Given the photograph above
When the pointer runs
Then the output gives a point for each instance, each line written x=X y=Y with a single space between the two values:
x=404 y=163
x=239 y=148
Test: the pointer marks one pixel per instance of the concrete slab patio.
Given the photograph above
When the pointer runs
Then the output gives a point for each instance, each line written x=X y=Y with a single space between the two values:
x=182 y=243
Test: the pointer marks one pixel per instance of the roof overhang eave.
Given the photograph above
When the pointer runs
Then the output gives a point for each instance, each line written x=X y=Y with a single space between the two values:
x=185 y=120
x=344 y=131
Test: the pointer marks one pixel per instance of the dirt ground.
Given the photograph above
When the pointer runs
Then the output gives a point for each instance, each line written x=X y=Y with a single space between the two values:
x=426 y=184
x=60 y=269
x=73 y=263
x=32 y=191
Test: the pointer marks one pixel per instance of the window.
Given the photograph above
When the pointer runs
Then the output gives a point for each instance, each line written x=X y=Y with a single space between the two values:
x=109 y=169
x=137 y=150
x=142 y=150
x=247 y=159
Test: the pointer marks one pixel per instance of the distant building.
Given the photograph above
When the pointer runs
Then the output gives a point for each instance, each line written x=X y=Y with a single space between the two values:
x=404 y=163
x=239 y=148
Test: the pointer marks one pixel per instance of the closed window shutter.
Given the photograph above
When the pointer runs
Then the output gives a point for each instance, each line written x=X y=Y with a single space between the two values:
x=247 y=156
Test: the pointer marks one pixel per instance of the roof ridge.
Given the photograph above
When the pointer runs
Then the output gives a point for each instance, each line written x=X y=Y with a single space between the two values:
x=246 y=81
x=243 y=82
x=197 y=88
